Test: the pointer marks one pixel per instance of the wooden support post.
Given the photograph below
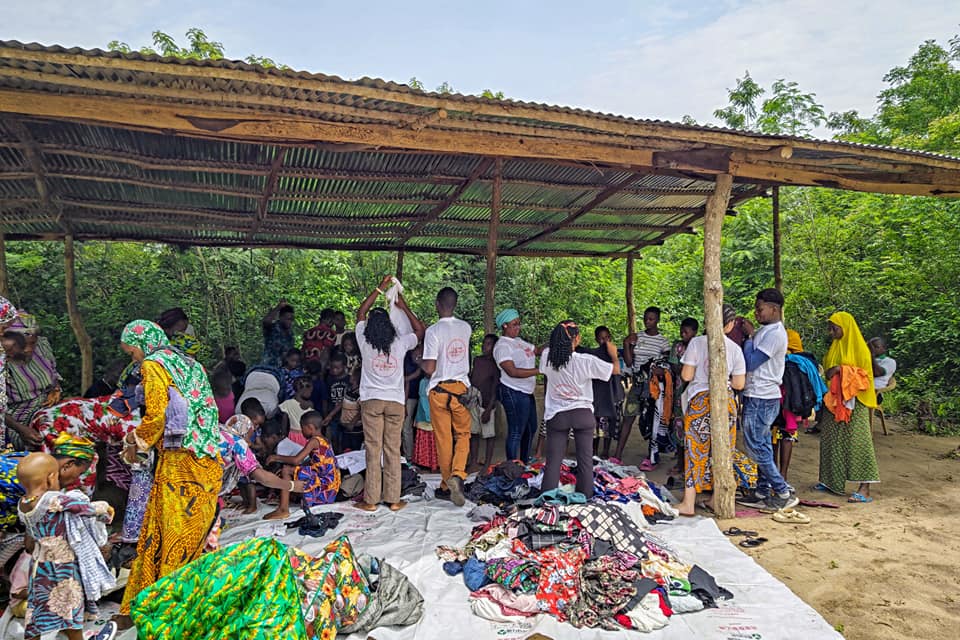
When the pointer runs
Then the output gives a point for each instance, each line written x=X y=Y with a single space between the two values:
x=399 y=270
x=490 y=284
x=777 y=272
x=4 y=284
x=631 y=303
x=76 y=320
x=724 y=484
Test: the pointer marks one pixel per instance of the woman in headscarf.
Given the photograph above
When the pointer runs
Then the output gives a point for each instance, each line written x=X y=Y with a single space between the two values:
x=518 y=378
x=32 y=382
x=846 y=444
x=8 y=313
x=180 y=423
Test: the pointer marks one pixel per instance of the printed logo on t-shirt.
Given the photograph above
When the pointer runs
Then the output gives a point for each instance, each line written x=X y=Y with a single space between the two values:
x=384 y=364
x=456 y=350
x=568 y=391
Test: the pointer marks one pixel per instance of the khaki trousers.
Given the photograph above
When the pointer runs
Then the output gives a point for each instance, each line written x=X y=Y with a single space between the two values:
x=382 y=427
x=451 y=429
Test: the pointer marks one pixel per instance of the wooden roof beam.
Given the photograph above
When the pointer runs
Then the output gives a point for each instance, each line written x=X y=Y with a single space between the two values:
x=271 y=184
x=31 y=154
x=600 y=198
x=482 y=167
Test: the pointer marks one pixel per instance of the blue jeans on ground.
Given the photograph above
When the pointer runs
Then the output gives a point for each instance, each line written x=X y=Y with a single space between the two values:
x=521 y=411
x=758 y=417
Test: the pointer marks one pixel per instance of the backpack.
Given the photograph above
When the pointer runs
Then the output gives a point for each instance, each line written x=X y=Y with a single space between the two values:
x=799 y=397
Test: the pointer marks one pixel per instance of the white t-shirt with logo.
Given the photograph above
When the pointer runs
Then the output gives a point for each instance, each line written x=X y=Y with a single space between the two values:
x=697 y=356
x=381 y=375
x=571 y=387
x=524 y=356
x=764 y=381
x=448 y=342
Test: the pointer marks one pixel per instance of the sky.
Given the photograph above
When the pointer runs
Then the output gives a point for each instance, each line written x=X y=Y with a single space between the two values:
x=659 y=60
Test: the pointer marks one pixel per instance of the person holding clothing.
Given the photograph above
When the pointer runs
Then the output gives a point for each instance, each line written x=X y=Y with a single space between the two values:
x=383 y=395
x=568 y=402
x=517 y=360
x=446 y=359
x=765 y=354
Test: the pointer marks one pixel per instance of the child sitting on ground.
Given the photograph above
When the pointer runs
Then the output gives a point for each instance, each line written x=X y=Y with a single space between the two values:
x=292 y=410
x=316 y=468
x=58 y=535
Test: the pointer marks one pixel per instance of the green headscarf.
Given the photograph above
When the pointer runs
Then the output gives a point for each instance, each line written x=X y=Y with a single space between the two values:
x=189 y=377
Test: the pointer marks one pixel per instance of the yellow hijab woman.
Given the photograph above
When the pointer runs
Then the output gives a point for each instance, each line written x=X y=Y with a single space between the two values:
x=852 y=350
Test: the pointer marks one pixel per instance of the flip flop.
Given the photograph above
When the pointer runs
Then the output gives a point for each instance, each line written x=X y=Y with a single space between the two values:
x=750 y=543
x=859 y=497
x=646 y=465
x=822 y=488
x=818 y=503
x=734 y=531
x=789 y=516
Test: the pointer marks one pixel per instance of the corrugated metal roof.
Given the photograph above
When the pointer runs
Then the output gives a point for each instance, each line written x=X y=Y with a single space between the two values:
x=207 y=184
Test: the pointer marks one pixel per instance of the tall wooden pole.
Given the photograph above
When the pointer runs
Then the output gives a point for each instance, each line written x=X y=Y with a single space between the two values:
x=490 y=283
x=76 y=320
x=4 y=284
x=777 y=272
x=724 y=484
x=399 y=270
x=631 y=303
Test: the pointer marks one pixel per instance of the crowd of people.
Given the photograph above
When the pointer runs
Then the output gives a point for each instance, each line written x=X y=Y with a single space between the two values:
x=177 y=437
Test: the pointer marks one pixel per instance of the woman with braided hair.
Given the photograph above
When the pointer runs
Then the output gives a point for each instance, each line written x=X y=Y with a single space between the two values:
x=383 y=396
x=568 y=402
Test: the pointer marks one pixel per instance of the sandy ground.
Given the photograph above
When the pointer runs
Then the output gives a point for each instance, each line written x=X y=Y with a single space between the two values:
x=884 y=570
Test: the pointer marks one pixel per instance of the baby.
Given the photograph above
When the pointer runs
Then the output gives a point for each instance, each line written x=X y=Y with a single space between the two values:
x=68 y=574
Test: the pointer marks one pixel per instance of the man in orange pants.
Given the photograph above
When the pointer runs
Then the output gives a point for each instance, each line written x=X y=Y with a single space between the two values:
x=446 y=359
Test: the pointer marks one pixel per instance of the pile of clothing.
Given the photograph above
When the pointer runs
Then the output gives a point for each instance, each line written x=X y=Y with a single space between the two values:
x=513 y=483
x=588 y=564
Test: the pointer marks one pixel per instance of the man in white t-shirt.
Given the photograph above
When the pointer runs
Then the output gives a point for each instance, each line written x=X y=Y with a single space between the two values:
x=383 y=396
x=446 y=359
x=765 y=353
x=883 y=365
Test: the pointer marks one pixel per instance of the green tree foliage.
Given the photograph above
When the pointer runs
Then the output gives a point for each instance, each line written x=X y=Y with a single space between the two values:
x=199 y=47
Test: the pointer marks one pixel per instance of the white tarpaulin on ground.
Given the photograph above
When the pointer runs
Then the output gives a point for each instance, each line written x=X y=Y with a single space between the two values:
x=762 y=608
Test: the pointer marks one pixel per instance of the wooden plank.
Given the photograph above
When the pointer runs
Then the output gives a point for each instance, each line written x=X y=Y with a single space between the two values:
x=4 y=282
x=599 y=199
x=271 y=184
x=76 y=318
x=221 y=122
x=399 y=270
x=490 y=281
x=777 y=271
x=631 y=302
x=724 y=484
x=482 y=167
x=32 y=155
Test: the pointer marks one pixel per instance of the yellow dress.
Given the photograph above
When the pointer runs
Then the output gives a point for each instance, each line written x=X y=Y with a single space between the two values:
x=183 y=500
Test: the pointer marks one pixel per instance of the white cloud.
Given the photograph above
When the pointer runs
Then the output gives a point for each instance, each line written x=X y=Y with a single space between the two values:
x=838 y=49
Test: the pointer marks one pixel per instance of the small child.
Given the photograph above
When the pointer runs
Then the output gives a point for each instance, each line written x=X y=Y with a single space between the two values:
x=350 y=419
x=60 y=532
x=291 y=372
x=221 y=382
x=316 y=468
x=292 y=410
x=485 y=377
x=425 y=445
x=338 y=382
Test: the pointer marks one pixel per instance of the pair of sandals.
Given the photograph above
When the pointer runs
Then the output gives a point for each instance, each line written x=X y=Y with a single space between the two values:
x=750 y=540
x=791 y=516
x=855 y=497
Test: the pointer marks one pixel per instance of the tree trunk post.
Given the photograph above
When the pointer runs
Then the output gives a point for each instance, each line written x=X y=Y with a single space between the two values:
x=631 y=303
x=490 y=283
x=724 y=484
x=777 y=272
x=76 y=320
x=399 y=271
x=4 y=283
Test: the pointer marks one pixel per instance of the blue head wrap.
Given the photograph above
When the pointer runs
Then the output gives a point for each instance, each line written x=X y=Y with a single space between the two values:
x=507 y=315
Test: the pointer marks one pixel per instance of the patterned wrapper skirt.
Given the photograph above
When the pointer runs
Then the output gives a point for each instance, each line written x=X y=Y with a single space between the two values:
x=425 y=450
x=697 y=469
x=846 y=450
